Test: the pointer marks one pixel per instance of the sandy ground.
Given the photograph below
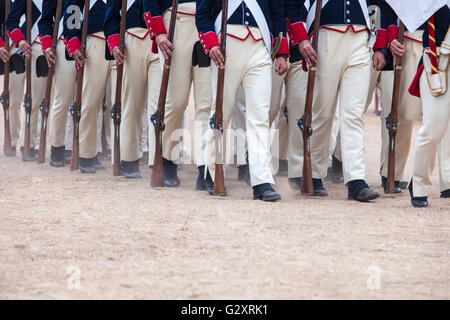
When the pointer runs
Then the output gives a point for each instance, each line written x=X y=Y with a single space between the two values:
x=67 y=235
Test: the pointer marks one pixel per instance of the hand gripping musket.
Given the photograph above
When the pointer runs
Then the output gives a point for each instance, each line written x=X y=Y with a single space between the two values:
x=5 y=95
x=45 y=104
x=116 y=109
x=27 y=103
x=158 y=117
x=304 y=122
x=217 y=123
x=75 y=108
x=392 y=119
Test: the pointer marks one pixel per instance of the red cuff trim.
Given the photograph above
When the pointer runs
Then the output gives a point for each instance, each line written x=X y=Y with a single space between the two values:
x=284 y=48
x=155 y=25
x=208 y=40
x=46 y=42
x=72 y=45
x=154 y=47
x=381 y=41
x=16 y=35
x=113 y=41
x=297 y=32
x=392 y=33
x=414 y=88
x=2 y=43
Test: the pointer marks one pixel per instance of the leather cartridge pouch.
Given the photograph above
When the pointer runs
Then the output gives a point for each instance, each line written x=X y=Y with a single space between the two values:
x=199 y=57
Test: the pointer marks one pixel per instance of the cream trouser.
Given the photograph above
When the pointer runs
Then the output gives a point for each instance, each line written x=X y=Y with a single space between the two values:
x=248 y=64
x=277 y=118
x=16 y=91
x=343 y=71
x=96 y=72
x=64 y=87
x=435 y=129
x=295 y=81
x=409 y=109
x=142 y=78
x=182 y=75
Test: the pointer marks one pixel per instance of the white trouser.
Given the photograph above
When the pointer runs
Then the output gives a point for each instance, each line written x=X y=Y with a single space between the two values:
x=96 y=73
x=343 y=71
x=64 y=87
x=409 y=109
x=248 y=64
x=434 y=130
x=182 y=76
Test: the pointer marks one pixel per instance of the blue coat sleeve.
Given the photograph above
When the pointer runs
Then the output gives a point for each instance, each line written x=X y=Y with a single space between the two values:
x=17 y=9
x=112 y=23
x=153 y=17
x=72 y=25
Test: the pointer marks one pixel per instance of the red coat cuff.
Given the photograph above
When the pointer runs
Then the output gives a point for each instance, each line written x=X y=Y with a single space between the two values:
x=72 y=45
x=297 y=32
x=2 y=43
x=16 y=35
x=113 y=41
x=46 y=42
x=155 y=25
x=284 y=48
x=392 y=33
x=381 y=41
x=208 y=41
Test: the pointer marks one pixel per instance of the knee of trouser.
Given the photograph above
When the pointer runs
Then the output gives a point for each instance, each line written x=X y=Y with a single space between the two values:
x=432 y=134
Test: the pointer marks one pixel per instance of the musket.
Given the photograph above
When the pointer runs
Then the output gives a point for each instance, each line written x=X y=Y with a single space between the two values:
x=116 y=108
x=45 y=103
x=158 y=117
x=5 y=95
x=75 y=108
x=27 y=103
x=219 y=180
x=104 y=152
x=392 y=118
x=304 y=122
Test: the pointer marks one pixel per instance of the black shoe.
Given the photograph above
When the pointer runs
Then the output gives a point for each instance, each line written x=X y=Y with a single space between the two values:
x=97 y=164
x=244 y=174
x=403 y=184
x=337 y=175
x=417 y=202
x=318 y=188
x=445 y=193
x=295 y=183
x=87 y=165
x=130 y=169
x=11 y=153
x=32 y=156
x=265 y=192
x=67 y=156
x=200 y=184
x=359 y=190
x=57 y=157
x=397 y=188
x=170 y=174
x=282 y=168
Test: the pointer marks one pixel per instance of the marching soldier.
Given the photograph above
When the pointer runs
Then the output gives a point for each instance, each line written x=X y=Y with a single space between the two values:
x=141 y=79
x=96 y=73
x=19 y=41
x=343 y=71
x=251 y=25
x=431 y=84
x=64 y=83
x=189 y=66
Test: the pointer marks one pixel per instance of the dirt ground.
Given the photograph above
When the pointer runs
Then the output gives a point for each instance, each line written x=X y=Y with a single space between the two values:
x=72 y=236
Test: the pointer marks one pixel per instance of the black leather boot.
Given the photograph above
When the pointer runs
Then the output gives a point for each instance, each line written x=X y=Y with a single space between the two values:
x=417 y=202
x=67 y=156
x=445 y=193
x=397 y=188
x=295 y=183
x=11 y=153
x=130 y=169
x=265 y=192
x=200 y=184
x=359 y=190
x=97 y=164
x=31 y=157
x=318 y=188
x=171 y=179
x=87 y=165
x=57 y=156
